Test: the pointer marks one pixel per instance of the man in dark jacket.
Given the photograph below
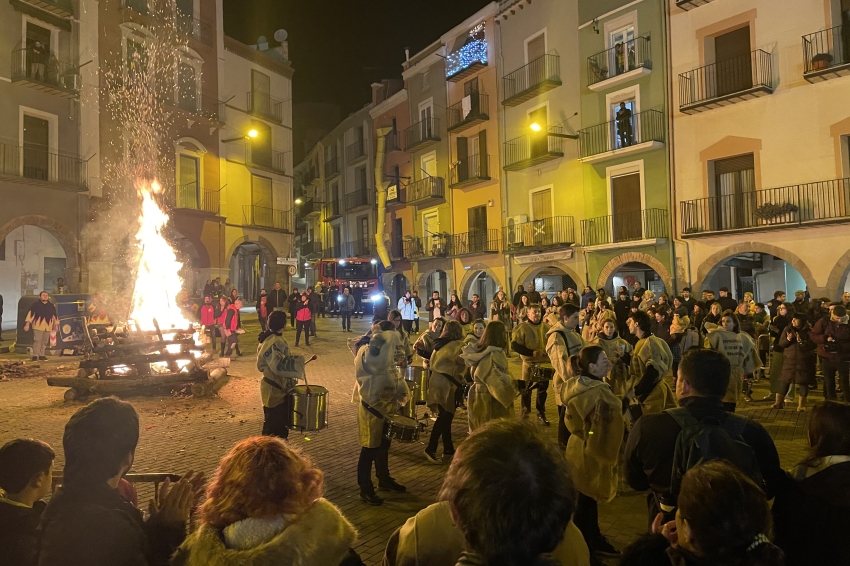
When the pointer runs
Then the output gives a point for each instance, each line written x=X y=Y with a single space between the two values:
x=773 y=305
x=293 y=304
x=833 y=339
x=87 y=521
x=727 y=303
x=435 y=296
x=477 y=308
x=688 y=301
x=703 y=379
x=800 y=304
x=520 y=291
x=277 y=299
x=314 y=301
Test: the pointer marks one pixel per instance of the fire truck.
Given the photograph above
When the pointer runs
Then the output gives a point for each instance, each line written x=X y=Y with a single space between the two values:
x=360 y=275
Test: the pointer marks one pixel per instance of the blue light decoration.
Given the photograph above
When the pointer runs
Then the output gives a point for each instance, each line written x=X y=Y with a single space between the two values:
x=473 y=51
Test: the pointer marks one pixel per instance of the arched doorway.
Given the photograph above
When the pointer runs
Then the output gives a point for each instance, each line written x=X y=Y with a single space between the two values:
x=627 y=274
x=552 y=280
x=759 y=273
x=249 y=270
x=483 y=285
x=400 y=284
x=436 y=280
x=187 y=254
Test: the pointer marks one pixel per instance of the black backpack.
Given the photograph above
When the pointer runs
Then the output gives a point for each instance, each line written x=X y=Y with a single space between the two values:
x=710 y=439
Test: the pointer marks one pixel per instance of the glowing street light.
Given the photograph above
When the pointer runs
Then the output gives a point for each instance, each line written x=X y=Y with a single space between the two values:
x=252 y=133
x=535 y=127
x=298 y=200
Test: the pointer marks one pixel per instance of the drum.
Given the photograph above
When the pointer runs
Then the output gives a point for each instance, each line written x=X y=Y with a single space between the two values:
x=409 y=410
x=308 y=408
x=401 y=428
x=540 y=373
x=416 y=379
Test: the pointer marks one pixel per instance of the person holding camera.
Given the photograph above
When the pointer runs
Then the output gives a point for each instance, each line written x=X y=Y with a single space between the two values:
x=409 y=313
x=798 y=365
x=832 y=337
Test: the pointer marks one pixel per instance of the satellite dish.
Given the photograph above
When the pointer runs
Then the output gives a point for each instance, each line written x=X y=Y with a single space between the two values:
x=280 y=35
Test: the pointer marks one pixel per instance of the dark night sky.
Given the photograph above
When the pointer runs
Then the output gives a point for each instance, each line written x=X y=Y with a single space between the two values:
x=339 y=47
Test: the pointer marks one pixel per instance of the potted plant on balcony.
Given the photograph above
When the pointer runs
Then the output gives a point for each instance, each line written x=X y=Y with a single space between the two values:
x=821 y=61
x=769 y=212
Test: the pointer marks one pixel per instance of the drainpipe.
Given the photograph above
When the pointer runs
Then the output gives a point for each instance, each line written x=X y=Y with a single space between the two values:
x=381 y=187
x=671 y=154
x=509 y=283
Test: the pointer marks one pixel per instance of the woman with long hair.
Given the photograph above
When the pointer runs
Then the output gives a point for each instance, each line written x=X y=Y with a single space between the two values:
x=464 y=317
x=453 y=306
x=444 y=382
x=404 y=352
x=492 y=393
x=777 y=325
x=264 y=506
x=522 y=309
x=476 y=332
x=424 y=345
x=712 y=318
x=799 y=361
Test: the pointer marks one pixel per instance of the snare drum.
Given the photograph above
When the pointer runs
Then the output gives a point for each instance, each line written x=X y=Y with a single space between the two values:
x=401 y=428
x=308 y=408
x=409 y=410
x=416 y=379
x=540 y=373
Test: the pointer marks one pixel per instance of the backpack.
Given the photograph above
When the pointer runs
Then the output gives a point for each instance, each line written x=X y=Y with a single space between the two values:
x=707 y=440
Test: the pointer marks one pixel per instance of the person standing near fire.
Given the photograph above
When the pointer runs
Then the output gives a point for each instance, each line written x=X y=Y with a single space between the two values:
x=233 y=328
x=208 y=319
x=43 y=320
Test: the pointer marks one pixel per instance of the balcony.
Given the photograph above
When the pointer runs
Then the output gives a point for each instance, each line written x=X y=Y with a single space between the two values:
x=203 y=106
x=267 y=218
x=332 y=167
x=397 y=250
x=333 y=210
x=268 y=159
x=308 y=208
x=628 y=229
x=620 y=64
x=355 y=151
x=784 y=207
x=726 y=82
x=359 y=248
x=466 y=60
x=311 y=249
x=826 y=54
x=426 y=192
x=58 y=8
x=189 y=197
x=392 y=141
x=46 y=73
x=691 y=4
x=36 y=164
x=472 y=110
x=474 y=242
x=469 y=170
x=636 y=133
x=533 y=149
x=535 y=235
x=422 y=134
x=195 y=29
x=540 y=75
x=138 y=6
x=429 y=246
x=262 y=105
x=356 y=200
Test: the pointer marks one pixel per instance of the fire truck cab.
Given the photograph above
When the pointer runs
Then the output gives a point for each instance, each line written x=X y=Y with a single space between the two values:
x=360 y=275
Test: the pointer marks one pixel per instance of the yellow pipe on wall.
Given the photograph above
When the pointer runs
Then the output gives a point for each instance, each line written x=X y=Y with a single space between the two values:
x=381 y=188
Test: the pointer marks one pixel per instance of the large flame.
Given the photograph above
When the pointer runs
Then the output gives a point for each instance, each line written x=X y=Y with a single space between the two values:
x=158 y=282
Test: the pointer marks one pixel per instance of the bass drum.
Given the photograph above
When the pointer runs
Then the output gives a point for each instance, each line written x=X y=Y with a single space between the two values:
x=401 y=428
x=308 y=409
x=417 y=379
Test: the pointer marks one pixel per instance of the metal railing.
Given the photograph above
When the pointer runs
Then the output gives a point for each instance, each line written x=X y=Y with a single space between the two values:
x=332 y=209
x=202 y=105
x=471 y=54
x=262 y=104
x=470 y=168
x=633 y=129
x=533 y=148
x=311 y=248
x=359 y=248
x=45 y=69
x=397 y=249
x=782 y=206
x=474 y=242
x=195 y=28
x=425 y=189
x=52 y=6
x=541 y=233
x=39 y=164
x=413 y=248
x=530 y=78
x=265 y=217
x=420 y=132
x=138 y=6
x=355 y=150
x=826 y=49
x=189 y=197
x=725 y=78
x=620 y=59
x=393 y=141
x=648 y=224
x=267 y=158
x=476 y=110
x=332 y=166
x=356 y=199
x=308 y=207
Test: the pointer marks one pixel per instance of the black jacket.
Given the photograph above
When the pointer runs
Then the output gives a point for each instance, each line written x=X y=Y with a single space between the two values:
x=18 y=539
x=478 y=312
x=95 y=526
x=652 y=440
x=276 y=299
x=727 y=303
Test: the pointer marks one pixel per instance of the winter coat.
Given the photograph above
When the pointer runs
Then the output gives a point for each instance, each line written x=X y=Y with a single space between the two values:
x=346 y=305
x=294 y=302
x=321 y=536
x=595 y=421
x=561 y=343
x=281 y=370
x=801 y=307
x=839 y=331
x=747 y=324
x=477 y=311
x=730 y=345
x=277 y=299
x=304 y=313
x=424 y=346
x=430 y=538
x=586 y=299
x=501 y=311
x=18 y=537
x=811 y=516
x=446 y=369
x=208 y=315
x=654 y=352
x=777 y=325
x=799 y=359
x=407 y=308
x=492 y=393
x=517 y=298
x=232 y=319
x=619 y=353
x=42 y=316
x=527 y=338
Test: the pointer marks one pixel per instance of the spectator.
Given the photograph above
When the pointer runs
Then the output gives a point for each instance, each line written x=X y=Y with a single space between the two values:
x=649 y=367
x=812 y=514
x=588 y=297
x=303 y=317
x=522 y=310
x=773 y=304
x=845 y=300
x=234 y=294
x=647 y=300
x=638 y=291
x=520 y=291
x=687 y=300
x=446 y=367
x=453 y=306
x=262 y=307
x=727 y=302
x=529 y=341
x=464 y=317
x=477 y=308
x=433 y=303
x=26 y=468
x=208 y=320
x=37 y=58
x=265 y=506
x=277 y=300
x=623 y=117
x=281 y=372
x=572 y=297
x=685 y=336
x=357 y=293
x=407 y=308
x=43 y=321
x=594 y=419
x=314 y=301
x=346 y=309
x=649 y=456
x=227 y=288
x=87 y=521
x=712 y=318
x=800 y=304
x=293 y=305
x=418 y=301
x=61 y=288
x=209 y=288
x=723 y=520
x=233 y=328
x=833 y=348
x=745 y=319
x=779 y=323
x=799 y=359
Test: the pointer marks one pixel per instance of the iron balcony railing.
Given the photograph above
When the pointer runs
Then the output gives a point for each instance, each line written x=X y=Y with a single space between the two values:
x=620 y=59
x=202 y=105
x=725 y=79
x=45 y=70
x=266 y=158
x=469 y=169
x=397 y=247
x=189 y=196
x=472 y=109
x=195 y=28
x=466 y=58
x=332 y=167
x=138 y=6
x=474 y=242
x=359 y=248
x=533 y=149
x=691 y=4
x=542 y=233
x=629 y=130
x=413 y=248
x=332 y=210
x=393 y=141
x=649 y=224
x=311 y=248
x=60 y=8
x=825 y=50
x=426 y=189
x=355 y=150
x=265 y=217
x=528 y=81
x=39 y=164
x=822 y=201
x=308 y=207
x=261 y=104
x=356 y=199
x=427 y=130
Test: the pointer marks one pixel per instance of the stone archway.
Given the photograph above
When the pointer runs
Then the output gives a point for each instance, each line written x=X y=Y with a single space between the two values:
x=531 y=272
x=472 y=274
x=69 y=242
x=267 y=247
x=713 y=261
x=422 y=283
x=838 y=276
x=635 y=257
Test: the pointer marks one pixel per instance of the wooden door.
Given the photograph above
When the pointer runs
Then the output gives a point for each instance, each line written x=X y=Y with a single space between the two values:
x=542 y=226
x=536 y=48
x=734 y=68
x=626 y=208
x=477 y=222
x=36 y=143
x=188 y=191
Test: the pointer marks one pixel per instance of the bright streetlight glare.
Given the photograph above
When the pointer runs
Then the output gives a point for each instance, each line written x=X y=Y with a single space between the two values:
x=535 y=127
x=298 y=201
x=252 y=133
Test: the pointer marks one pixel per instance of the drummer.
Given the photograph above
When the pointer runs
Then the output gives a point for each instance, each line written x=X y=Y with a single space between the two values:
x=281 y=372
x=380 y=391
x=404 y=354
x=446 y=371
x=424 y=345
x=493 y=392
x=529 y=341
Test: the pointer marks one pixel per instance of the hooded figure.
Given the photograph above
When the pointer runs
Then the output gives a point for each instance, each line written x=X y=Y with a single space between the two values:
x=492 y=393
x=740 y=350
x=619 y=354
x=654 y=395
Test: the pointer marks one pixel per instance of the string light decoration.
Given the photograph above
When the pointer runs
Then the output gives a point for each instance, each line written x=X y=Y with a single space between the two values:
x=473 y=52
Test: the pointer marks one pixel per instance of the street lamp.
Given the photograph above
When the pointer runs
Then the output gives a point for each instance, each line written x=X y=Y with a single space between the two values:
x=298 y=200
x=251 y=134
x=535 y=127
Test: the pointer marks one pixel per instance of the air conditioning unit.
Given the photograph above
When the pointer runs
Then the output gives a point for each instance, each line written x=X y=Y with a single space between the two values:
x=515 y=229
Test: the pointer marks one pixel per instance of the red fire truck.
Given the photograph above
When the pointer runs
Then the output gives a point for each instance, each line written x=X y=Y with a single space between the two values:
x=360 y=275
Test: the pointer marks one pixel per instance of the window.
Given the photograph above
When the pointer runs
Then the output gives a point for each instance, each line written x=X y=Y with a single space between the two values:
x=477 y=222
x=734 y=192
x=360 y=180
x=734 y=65
x=471 y=157
x=364 y=235
x=189 y=182
x=541 y=204
x=539 y=142
x=535 y=48
x=36 y=148
x=426 y=80
x=261 y=146
x=38 y=53
x=261 y=192
x=187 y=88
x=426 y=110
x=428 y=165
x=261 y=93
x=622 y=54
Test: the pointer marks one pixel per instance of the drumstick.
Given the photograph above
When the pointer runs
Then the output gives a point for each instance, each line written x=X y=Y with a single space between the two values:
x=310 y=359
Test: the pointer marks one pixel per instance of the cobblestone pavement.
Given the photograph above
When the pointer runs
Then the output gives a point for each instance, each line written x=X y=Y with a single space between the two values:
x=182 y=434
